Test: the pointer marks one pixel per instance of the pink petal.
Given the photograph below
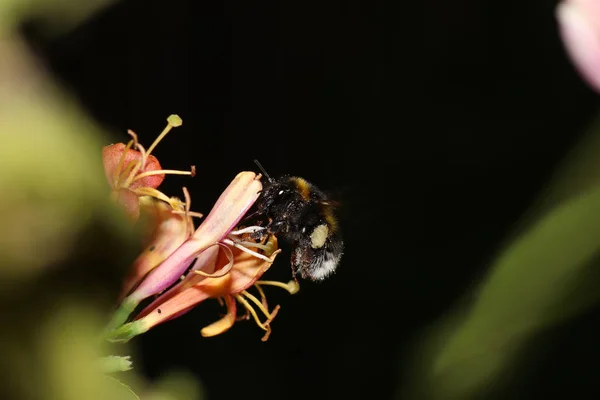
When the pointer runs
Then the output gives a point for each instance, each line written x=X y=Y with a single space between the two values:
x=207 y=261
x=170 y=231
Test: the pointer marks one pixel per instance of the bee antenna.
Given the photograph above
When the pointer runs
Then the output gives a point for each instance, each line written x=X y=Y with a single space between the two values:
x=263 y=171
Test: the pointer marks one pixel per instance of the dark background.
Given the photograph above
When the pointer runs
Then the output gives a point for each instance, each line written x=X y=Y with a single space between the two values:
x=434 y=124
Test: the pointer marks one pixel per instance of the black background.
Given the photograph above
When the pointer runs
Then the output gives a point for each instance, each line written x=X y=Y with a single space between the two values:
x=435 y=124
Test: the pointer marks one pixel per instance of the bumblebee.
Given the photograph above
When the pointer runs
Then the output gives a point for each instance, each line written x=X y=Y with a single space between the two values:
x=301 y=214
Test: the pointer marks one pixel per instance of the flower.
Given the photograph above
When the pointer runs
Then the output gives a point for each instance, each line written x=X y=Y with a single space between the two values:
x=229 y=209
x=225 y=264
x=233 y=272
x=132 y=173
x=579 y=23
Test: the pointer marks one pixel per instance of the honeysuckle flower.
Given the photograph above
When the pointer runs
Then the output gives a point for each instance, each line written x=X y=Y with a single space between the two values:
x=133 y=171
x=229 y=209
x=234 y=271
x=579 y=22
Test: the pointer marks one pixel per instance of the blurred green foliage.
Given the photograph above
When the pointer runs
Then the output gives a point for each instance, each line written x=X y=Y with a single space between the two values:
x=63 y=246
x=547 y=272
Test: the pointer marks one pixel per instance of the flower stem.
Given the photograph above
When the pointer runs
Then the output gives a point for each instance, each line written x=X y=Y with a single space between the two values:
x=122 y=313
x=126 y=332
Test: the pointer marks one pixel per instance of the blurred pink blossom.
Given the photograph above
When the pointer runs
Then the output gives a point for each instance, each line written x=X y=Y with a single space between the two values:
x=579 y=23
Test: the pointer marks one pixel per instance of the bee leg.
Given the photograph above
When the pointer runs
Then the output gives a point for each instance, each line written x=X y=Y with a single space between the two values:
x=294 y=271
x=294 y=264
x=260 y=234
x=249 y=229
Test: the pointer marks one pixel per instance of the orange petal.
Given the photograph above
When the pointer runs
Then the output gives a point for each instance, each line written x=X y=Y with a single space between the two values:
x=246 y=270
x=225 y=323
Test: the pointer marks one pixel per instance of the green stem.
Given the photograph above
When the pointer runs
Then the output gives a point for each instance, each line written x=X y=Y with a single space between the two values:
x=126 y=332
x=122 y=313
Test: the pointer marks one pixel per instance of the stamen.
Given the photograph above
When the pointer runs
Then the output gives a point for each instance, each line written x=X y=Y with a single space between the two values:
x=246 y=250
x=244 y=243
x=259 y=304
x=267 y=324
x=250 y=229
x=134 y=137
x=172 y=122
x=186 y=207
x=161 y=172
x=263 y=296
x=292 y=286
x=244 y=317
x=138 y=146
x=252 y=312
x=121 y=161
x=188 y=199
x=143 y=154
x=148 y=191
x=136 y=167
x=117 y=176
x=177 y=205
x=190 y=213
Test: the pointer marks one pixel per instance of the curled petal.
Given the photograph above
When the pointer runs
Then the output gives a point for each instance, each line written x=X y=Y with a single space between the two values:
x=206 y=262
x=225 y=323
x=222 y=271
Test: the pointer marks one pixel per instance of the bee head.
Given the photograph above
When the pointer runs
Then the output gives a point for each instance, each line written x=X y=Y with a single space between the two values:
x=275 y=192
